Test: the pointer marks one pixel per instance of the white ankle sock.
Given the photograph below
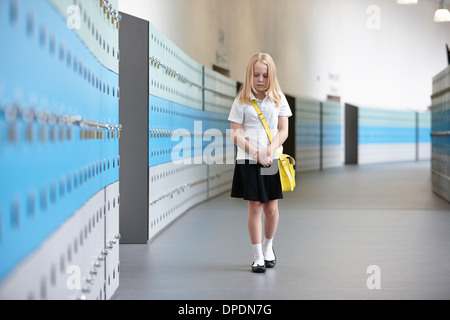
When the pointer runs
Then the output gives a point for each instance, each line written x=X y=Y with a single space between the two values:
x=258 y=256
x=267 y=249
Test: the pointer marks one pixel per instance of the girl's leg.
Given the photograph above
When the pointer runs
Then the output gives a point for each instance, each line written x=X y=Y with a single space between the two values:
x=271 y=217
x=255 y=209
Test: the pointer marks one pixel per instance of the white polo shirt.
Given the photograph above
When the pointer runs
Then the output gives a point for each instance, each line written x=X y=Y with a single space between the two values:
x=253 y=128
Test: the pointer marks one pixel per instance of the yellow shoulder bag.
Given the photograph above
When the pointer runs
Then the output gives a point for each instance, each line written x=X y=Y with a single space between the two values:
x=285 y=163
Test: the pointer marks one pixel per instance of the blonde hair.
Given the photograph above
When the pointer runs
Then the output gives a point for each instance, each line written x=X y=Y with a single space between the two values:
x=273 y=89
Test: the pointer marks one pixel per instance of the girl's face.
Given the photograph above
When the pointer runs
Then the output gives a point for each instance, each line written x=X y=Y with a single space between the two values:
x=260 y=77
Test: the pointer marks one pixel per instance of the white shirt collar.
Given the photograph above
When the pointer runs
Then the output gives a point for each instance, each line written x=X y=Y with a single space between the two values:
x=254 y=98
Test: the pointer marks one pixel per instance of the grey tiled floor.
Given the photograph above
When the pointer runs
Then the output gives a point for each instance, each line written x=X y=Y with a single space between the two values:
x=334 y=226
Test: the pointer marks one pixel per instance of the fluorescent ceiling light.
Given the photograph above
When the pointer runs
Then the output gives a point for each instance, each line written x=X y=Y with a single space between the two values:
x=407 y=1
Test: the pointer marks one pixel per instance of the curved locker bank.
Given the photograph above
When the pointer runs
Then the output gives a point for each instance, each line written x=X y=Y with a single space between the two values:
x=441 y=134
x=318 y=135
x=175 y=146
x=59 y=149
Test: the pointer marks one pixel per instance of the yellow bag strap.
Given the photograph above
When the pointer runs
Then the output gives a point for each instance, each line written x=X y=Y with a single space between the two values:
x=263 y=120
x=269 y=134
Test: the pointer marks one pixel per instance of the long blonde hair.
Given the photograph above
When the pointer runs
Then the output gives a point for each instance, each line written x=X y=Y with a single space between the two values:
x=273 y=89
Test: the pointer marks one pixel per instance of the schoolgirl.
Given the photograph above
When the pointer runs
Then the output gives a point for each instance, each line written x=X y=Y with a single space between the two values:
x=256 y=177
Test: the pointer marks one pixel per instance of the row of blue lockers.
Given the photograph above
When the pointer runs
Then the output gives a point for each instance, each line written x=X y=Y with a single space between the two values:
x=59 y=125
x=375 y=126
x=441 y=126
x=393 y=126
x=382 y=135
x=318 y=124
x=441 y=134
x=177 y=132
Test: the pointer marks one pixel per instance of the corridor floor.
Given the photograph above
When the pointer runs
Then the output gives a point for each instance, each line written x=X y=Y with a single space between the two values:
x=355 y=232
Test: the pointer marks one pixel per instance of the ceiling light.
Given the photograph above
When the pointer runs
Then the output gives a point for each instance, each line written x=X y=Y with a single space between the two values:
x=407 y=1
x=442 y=14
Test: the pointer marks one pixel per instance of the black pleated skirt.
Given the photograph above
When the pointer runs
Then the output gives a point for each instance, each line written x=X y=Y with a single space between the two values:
x=252 y=181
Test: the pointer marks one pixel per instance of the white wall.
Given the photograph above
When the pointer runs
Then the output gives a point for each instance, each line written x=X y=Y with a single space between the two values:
x=321 y=47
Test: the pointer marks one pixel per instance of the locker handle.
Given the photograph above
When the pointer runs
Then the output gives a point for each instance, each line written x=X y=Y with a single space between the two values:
x=440 y=134
x=86 y=290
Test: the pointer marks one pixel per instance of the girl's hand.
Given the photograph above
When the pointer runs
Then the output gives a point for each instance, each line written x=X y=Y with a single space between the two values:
x=266 y=162
x=264 y=158
x=254 y=155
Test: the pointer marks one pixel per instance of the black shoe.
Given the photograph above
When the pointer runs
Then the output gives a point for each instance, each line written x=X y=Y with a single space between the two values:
x=258 y=268
x=271 y=263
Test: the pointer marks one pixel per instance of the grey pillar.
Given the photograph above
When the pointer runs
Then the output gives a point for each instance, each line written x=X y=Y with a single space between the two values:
x=133 y=113
x=351 y=134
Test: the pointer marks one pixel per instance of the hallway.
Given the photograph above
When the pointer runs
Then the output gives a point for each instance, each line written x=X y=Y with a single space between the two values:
x=334 y=226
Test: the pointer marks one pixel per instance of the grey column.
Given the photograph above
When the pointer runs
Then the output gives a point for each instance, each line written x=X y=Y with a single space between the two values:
x=133 y=82
x=351 y=134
